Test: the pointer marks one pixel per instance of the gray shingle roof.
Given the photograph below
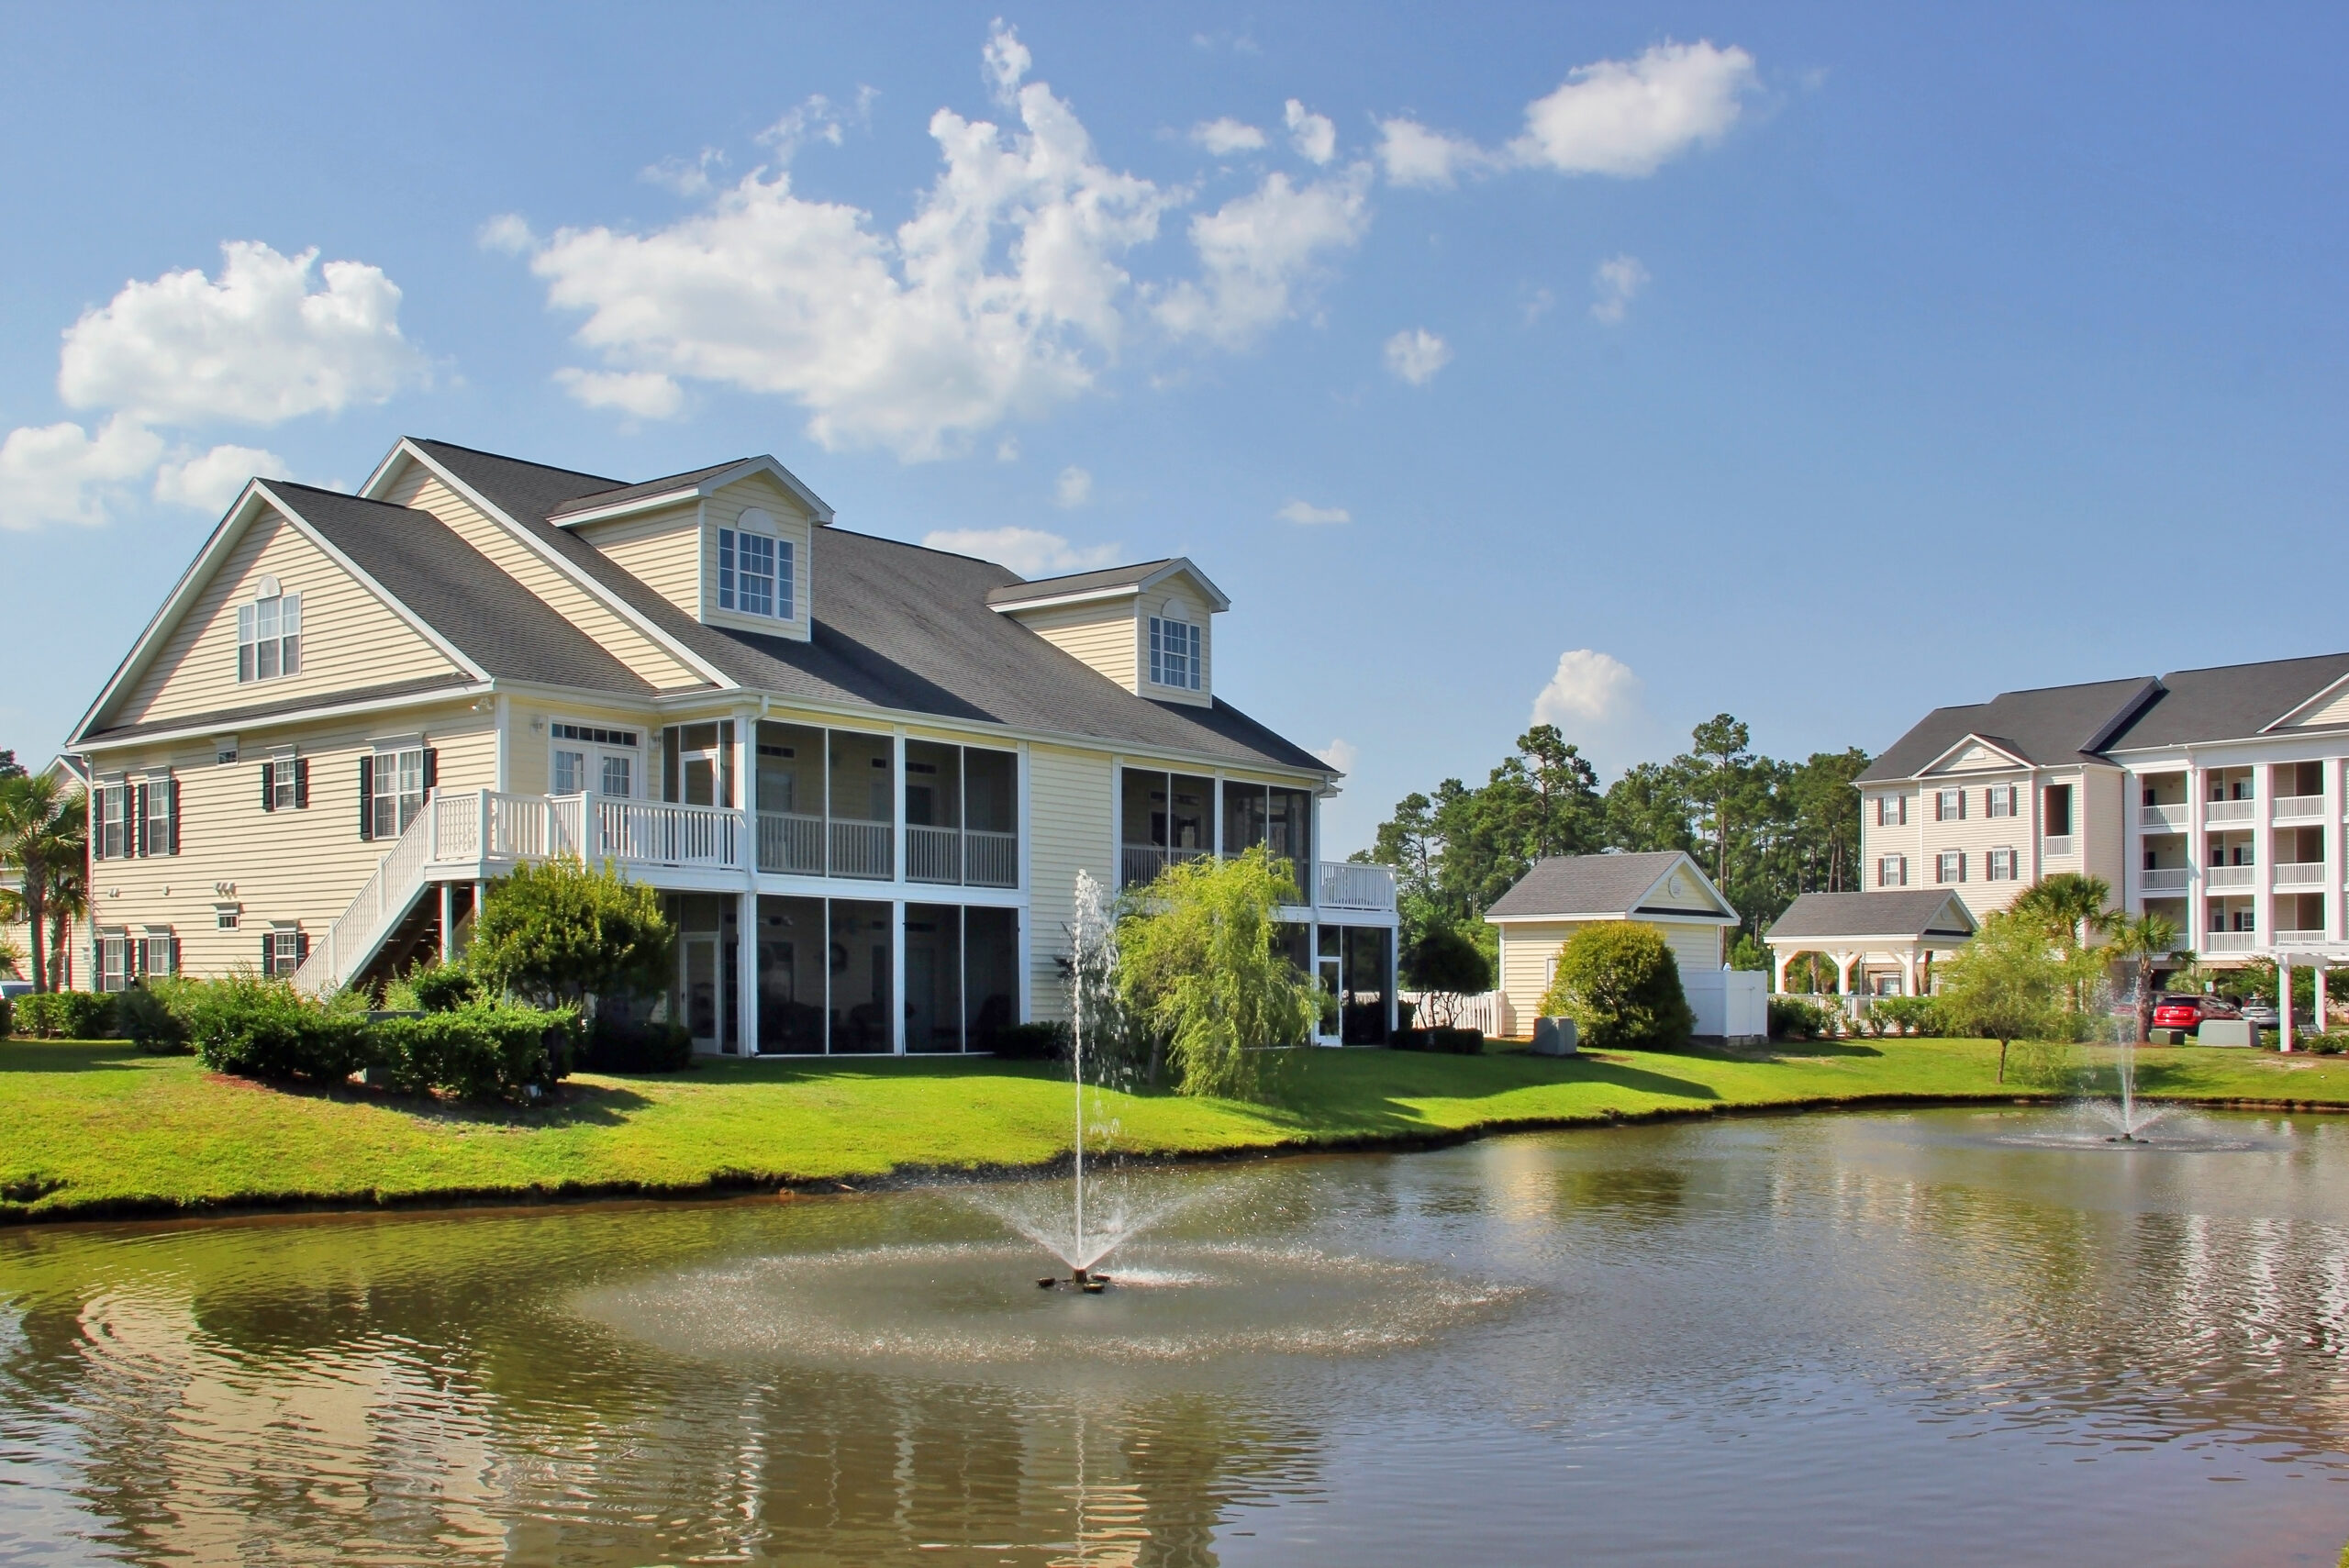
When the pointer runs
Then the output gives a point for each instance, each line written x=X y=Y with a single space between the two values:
x=1896 y=912
x=495 y=621
x=626 y=493
x=1567 y=886
x=893 y=626
x=2047 y=727
x=218 y=720
x=2228 y=701
x=1017 y=592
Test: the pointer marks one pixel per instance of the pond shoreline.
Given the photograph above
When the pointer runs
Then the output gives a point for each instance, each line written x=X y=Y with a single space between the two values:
x=735 y=1185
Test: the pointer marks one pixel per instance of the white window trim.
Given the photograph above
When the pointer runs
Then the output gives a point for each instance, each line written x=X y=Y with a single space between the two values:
x=784 y=580
x=1195 y=641
x=1940 y=867
x=267 y=590
x=591 y=753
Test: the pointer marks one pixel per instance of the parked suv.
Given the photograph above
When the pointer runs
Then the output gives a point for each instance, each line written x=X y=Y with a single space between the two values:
x=2187 y=1011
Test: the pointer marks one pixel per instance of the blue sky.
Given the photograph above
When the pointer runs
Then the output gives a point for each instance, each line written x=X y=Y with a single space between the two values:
x=1821 y=364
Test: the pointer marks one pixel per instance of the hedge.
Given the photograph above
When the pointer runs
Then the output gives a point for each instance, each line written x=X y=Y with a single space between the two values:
x=66 y=1015
x=482 y=1051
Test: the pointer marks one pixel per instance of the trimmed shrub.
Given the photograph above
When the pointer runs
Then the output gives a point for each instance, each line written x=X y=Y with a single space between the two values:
x=1792 y=1017
x=1620 y=985
x=1031 y=1042
x=1908 y=1015
x=66 y=1015
x=483 y=1051
x=260 y=1027
x=145 y=1016
x=2330 y=1043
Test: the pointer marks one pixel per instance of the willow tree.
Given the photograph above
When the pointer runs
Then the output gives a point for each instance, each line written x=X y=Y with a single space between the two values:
x=2007 y=984
x=1198 y=961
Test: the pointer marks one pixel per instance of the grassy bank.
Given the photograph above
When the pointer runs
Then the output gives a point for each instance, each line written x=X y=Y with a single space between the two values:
x=97 y=1128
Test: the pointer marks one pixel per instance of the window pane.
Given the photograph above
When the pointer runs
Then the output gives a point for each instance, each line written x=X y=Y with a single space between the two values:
x=266 y=656
x=616 y=776
x=782 y=580
x=265 y=616
x=755 y=568
x=569 y=768
x=933 y=977
x=726 y=569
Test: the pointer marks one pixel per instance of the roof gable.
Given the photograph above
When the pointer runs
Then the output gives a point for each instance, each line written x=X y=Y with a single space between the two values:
x=1977 y=753
x=1613 y=886
x=676 y=487
x=1110 y=583
x=1902 y=914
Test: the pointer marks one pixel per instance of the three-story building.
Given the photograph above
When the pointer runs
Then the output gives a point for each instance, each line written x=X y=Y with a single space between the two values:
x=865 y=774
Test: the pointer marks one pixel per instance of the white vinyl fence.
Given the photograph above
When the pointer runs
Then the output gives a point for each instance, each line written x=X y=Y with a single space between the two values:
x=1487 y=1012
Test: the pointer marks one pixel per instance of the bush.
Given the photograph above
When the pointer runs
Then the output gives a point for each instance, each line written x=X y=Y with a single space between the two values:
x=1909 y=1015
x=66 y=1015
x=1792 y=1017
x=2328 y=1044
x=1031 y=1042
x=145 y=1016
x=258 y=1028
x=1448 y=1042
x=7 y=1016
x=1622 y=987
x=561 y=932
x=482 y=1051
x=431 y=988
x=616 y=1042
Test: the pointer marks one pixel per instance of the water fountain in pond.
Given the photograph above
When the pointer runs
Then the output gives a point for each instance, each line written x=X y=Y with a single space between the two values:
x=2123 y=1112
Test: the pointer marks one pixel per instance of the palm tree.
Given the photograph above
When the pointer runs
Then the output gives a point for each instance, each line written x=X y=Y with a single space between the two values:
x=44 y=833
x=2140 y=939
x=2071 y=908
x=69 y=900
x=12 y=960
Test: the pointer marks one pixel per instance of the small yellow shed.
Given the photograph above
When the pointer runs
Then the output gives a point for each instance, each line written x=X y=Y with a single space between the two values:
x=1559 y=896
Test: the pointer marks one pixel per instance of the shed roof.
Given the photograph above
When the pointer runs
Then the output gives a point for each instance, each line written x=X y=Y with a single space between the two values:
x=1568 y=887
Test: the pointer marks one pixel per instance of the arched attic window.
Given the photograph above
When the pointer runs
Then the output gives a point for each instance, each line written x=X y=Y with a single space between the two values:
x=1176 y=647
x=269 y=633
x=754 y=567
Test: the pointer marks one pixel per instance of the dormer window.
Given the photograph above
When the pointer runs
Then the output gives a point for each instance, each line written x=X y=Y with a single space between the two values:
x=754 y=567
x=1174 y=653
x=269 y=634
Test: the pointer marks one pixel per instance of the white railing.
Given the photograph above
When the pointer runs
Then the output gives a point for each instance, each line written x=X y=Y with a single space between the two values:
x=861 y=849
x=933 y=854
x=1351 y=885
x=791 y=844
x=2165 y=819
x=2300 y=938
x=2299 y=873
x=1139 y=864
x=653 y=832
x=2231 y=942
x=383 y=901
x=2056 y=849
x=2162 y=879
x=2292 y=806
x=1486 y=1012
x=990 y=859
x=2227 y=810
x=2218 y=877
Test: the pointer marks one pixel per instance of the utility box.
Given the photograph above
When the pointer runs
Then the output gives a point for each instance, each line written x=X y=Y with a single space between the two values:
x=1554 y=1037
x=2227 y=1031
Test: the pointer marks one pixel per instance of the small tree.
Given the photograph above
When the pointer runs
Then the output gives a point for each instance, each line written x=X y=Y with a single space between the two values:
x=1446 y=966
x=1196 y=963
x=561 y=932
x=2007 y=984
x=1622 y=987
x=2138 y=940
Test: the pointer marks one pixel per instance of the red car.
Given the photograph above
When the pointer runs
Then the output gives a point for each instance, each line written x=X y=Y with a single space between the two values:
x=2187 y=1012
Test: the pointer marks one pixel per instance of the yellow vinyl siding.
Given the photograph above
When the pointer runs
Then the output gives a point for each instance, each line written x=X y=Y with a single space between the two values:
x=1070 y=828
x=1101 y=636
x=350 y=639
x=792 y=524
x=1176 y=601
x=304 y=866
x=1976 y=835
x=660 y=549
x=419 y=488
x=1528 y=952
x=2099 y=813
x=530 y=743
x=2335 y=711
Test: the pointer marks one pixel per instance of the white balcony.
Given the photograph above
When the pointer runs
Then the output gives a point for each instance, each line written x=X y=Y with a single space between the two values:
x=791 y=844
x=967 y=856
x=2057 y=849
x=2299 y=875
x=2163 y=879
x=2300 y=807
x=2300 y=938
x=1139 y=864
x=2230 y=941
x=2173 y=818
x=2218 y=811
x=2219 y=878
x=1350 y=885
x=862 y=850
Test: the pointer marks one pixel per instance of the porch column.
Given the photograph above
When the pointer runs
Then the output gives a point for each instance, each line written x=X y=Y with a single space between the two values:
x=1843 y=961
x=2318 y=976
x=898 y=965
x=448 y=917
x=746 y=940
x=1909 y=971
x=744 y=803
x=1778 y=962
x=2283 y=1000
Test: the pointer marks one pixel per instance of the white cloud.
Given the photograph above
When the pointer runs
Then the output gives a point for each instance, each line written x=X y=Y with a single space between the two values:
x=61 y=473
x=259 y=346
x=1590 y=687
x=209 y=480
x=1614 y=286
x=1006 y=60
x=506 y=234
x=1627 y=118
x=814 y=119
x=1255 y=250
x=1339 y=754
x=1073 y=488
x=646 y=395
x=1622 y=118
x=687 y=177
x=1031 y=552
x=1308 y=515
x=1538 y=304
x=1414 y=155
x=1007 y=449
x=1416 y=355
x=912 y=341
x=1312 y=134
x=1227 y=136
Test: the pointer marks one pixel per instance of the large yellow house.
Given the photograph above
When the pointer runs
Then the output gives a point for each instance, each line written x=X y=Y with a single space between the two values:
x=867 y=774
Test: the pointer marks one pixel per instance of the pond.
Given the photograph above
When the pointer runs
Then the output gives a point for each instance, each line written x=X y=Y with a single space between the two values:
x=1947 y=1337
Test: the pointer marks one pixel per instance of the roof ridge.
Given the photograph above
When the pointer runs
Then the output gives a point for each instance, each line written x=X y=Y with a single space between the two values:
x=522 y=461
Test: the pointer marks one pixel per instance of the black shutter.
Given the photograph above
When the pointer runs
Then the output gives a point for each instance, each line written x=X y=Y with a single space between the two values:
x=268 y=953
x=367 y=798
x=95 y=805
x=174 y=786
x=175 y=952
x=268 y=793
x=301 y=784
x=301 y=949
x=431 y=770
x=138 y=834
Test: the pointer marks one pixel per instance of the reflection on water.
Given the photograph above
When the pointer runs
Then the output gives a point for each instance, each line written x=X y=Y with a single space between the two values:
x=1829 y=1340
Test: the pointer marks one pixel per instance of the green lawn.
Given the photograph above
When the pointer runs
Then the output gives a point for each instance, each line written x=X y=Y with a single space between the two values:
x=97 y=1128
